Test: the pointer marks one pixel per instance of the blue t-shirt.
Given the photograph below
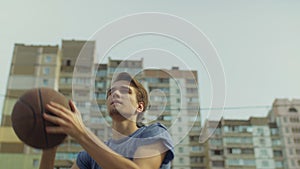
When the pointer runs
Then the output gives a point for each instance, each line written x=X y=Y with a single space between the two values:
x=127 y=146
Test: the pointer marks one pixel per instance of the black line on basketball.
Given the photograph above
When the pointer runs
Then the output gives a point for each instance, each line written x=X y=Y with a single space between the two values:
x=42 y=113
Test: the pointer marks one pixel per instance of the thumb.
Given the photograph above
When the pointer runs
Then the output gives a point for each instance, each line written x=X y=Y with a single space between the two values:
x=72 y=106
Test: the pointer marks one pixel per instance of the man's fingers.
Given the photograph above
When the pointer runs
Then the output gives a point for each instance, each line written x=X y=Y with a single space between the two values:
x=54 y=119
x=58 y=110
x=72 y=106
x=54 y=130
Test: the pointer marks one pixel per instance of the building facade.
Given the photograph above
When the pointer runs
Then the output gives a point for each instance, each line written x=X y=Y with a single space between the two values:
x=174 y=101
x=31 y=67
x=270 y=142
x=244 y=144
x=286 y=115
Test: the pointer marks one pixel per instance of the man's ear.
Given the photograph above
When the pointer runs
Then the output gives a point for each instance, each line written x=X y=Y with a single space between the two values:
x=140 y=107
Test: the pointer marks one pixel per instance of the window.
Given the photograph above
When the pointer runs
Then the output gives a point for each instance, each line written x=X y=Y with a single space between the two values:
x=218 y=163
x=48 y=59
x=277 y=153
x=262 y=141
x=274 y=131
x=197 y=159
x=246 y=140
x=217 y=152
x=45 y=82
x=164 y=80
x=287 y=130
x=180 y=149
x=190 y=81
x=196 y=149
x=35 y=162
x=249 y=162
x=46 y=71
x=236 y=151
x=293 y=110
x=238 y=129
x=279 y=164
x=63 y=80
x=264 y=152
x=218 y=131
x=191 y=90
x=295 y=130
x=276 y=142
x=100 y=84
x=293 y=163
x=194 y=138
x=265 y=163
x=68 y=63
x=247 y=151
x=83 y=69
x=100 y=96
x=231 y=162
x=216 y=142
x=260 y=131
x=101 y=73
x=294 y=120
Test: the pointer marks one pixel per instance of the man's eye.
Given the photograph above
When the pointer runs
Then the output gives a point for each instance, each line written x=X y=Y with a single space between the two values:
x=109 y=92
x=124 y=91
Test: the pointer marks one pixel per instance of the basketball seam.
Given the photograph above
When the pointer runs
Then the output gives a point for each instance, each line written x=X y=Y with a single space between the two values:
x=32 y=110
x=43 y=120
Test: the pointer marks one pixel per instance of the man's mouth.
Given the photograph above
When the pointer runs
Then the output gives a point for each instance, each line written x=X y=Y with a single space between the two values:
x=115 y=101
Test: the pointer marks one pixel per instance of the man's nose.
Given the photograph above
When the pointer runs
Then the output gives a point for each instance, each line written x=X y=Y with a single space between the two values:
x=116 y=94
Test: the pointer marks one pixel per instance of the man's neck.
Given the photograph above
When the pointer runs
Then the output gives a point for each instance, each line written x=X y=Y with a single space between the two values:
x=122 y=129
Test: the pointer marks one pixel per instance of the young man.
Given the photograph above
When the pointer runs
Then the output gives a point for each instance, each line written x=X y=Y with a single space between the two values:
x=131 y=146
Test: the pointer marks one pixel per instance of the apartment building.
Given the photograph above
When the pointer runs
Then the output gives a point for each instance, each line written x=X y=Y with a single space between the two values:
x=270 y=142
x=76 y=67
x=31 y=66
x=243 y=144
x=286 y=115
x=174 y=102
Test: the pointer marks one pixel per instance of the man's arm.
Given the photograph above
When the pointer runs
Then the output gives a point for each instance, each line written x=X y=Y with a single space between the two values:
x=48 y=158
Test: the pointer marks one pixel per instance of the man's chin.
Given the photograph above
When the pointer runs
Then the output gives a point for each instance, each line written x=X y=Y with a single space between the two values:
x=113 y=112
x=116 y=113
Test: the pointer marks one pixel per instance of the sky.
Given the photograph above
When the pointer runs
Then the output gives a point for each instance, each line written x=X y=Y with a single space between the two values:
x=257 y=42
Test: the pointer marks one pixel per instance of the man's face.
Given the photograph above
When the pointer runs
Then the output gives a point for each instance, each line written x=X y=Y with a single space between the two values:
x=121 y=100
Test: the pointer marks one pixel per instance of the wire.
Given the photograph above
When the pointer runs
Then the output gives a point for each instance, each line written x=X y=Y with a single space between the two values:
x=207 y=108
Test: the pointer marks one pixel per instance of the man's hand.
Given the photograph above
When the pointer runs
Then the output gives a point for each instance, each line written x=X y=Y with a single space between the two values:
x=68 y=121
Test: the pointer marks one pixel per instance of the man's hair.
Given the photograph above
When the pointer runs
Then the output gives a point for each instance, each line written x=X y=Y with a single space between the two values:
x=141 y=93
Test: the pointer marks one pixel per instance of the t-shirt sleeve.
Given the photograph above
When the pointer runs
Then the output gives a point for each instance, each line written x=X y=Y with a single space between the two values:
x=84 y=160
x=159 y=132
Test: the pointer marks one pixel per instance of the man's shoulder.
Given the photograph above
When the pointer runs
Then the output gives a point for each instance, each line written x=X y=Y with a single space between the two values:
x=154 y=130
x=157 y=125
